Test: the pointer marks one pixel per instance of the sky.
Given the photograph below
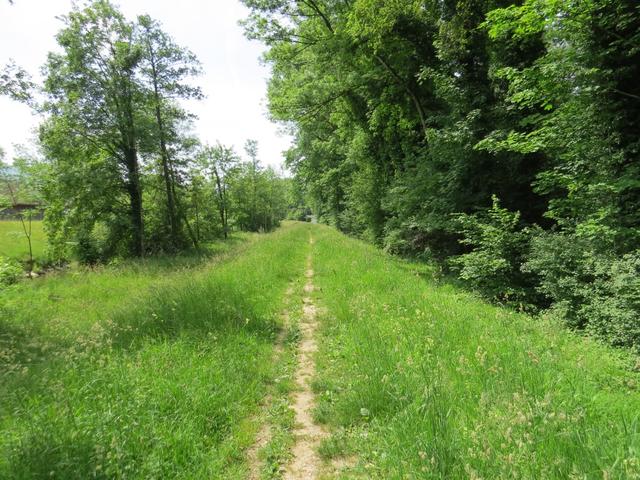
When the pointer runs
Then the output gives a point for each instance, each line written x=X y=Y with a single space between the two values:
x=234 y=80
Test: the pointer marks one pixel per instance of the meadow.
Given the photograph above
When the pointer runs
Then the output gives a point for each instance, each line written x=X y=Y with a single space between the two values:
x=13 y=243
x=166 y=368
x=147 y=370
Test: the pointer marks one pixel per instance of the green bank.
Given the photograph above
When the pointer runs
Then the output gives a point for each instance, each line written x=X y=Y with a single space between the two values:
x=420 y=380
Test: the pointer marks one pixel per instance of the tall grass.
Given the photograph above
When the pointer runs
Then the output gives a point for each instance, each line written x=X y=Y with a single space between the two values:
x=148 y=380
x=424 y=381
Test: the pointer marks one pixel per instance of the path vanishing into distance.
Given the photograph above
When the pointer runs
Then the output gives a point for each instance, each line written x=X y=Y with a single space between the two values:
x=303 y=354
x=374 y=396
x=305 y=463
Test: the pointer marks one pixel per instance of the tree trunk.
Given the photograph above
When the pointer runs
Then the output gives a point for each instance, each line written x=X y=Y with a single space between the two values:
x=197 y=221
x=222 y=208
x=180 y=212
x=172 y=216
x=135 y=200
x=171 y=201
x=195 y=238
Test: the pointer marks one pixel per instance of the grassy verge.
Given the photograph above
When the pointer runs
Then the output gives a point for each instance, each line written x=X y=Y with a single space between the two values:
x=423 y=381
x=65 y=304
x=112 y=375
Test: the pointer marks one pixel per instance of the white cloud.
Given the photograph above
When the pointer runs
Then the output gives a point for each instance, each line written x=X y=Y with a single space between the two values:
x=234 y=80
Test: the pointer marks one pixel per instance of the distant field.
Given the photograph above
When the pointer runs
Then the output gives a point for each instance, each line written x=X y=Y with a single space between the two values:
x=13 y=243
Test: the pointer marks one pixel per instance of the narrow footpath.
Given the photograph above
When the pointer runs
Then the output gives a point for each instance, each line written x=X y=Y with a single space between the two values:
x=305 y=463
x=264 y=435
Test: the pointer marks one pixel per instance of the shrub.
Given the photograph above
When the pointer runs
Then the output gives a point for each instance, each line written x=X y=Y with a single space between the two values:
x=87 y=249
x=498 y=245
x=565 y=270
x=613 y=310
x=591 y=289
x=10 y=271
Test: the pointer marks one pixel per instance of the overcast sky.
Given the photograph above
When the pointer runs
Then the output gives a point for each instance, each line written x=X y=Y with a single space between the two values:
x=234 y=80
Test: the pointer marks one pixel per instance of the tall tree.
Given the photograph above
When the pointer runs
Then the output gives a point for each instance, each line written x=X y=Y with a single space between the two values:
x=498 y=137
x=219 y=162
x=166 y=68
x=251 y=149
x=93 y=95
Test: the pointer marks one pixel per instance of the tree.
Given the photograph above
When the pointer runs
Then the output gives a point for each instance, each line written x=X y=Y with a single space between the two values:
x=165 y=67
x=251 y=149
x=93 y=94
x=219 y=162
x=410 y=116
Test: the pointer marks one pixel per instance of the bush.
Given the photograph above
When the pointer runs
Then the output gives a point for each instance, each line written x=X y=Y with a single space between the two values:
x=591 y=289
x=565 y=271
x=10 y=271
x=498 y=244
x=87 y=250
x=613 y=309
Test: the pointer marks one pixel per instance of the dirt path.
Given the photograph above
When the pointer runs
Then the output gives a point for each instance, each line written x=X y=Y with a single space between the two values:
x=305 y=464
x=264 y=434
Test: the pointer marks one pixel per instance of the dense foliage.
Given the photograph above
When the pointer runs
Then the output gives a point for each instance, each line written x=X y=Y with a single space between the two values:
x=410 y=116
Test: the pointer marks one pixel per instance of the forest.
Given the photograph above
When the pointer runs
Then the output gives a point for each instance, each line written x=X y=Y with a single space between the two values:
x=441 y=281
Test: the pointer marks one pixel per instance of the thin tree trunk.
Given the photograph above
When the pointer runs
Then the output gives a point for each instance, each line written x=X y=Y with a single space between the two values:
x=221 y=203
x=164 y=155
x=171 y=201
x=133 y=186
x=28 y=235
x=27 y=231
x=197 y=221
x=135 y=199
x=195 y=239
x=254 y=220
x=181 y=211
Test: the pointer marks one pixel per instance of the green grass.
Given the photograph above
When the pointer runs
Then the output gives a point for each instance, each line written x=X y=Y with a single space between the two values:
x=13 y=243
x=158 y=368
x=144 y=370
x=421 y=380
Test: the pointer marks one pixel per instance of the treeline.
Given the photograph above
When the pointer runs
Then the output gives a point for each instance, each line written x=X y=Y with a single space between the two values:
x=499 y=138
x=121 y=172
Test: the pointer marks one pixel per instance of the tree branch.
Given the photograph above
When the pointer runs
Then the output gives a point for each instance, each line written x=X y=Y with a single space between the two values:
x=410 y=92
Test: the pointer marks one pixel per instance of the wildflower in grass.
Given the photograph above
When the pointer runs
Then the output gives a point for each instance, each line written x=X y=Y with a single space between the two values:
x=632 y=467
x=481 y=355
x=534 y=358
